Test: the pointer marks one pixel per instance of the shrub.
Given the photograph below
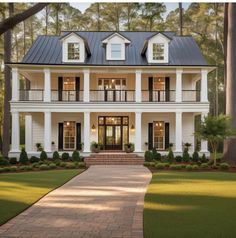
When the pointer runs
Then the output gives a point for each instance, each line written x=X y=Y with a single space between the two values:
x=204 y=159
x=170 y=156
x=23 y=157
x=176 y=166
x=55 y=156
x=195 y=156
x=65 y=156
x=43 y=167
x=189 y=167
x=13 y=168
x=186 y=157
x=52 y=166
x=204 y=166
x=146 y=164
x=195 y=167
x=167 y=165
x=43 y=156
x=6 y=169
x=179 y=158
x=160 y=166
x=76 y=156
x=35 y=165
x=26 y=168
x=57 y=162
x=63 y=164
x=70 y=166
x=148 y=156
x=4 y=161
x=156 y=155
x=34 y=159
x=224 y=166
x=81 y=165
x=129 y=147
x=1 y=170
x=13 y=160
x=183 y=166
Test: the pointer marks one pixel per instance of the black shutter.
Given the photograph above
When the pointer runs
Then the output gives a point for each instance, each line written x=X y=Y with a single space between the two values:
x=167 y=135
x=167 y=89
x=150 y=136
x=150 y=88
x=78 y=136
x=60 y=88
x=60 y=136
x=77 y=88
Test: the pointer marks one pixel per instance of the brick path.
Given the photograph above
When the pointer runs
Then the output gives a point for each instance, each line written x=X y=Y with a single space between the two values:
x=104 y=201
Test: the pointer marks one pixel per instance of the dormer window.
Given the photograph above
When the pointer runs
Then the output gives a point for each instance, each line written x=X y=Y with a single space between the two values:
x=116 y=51
x=73 y=51
x=158 y=51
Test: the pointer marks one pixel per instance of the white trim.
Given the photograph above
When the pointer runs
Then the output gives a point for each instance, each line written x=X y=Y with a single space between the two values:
x=47 y=131
x=15 y=132
x=28 y=133
x=106 y=40
x=15 y=84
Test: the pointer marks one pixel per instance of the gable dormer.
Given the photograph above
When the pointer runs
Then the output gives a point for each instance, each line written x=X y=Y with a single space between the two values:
x=115 y=46
x=156 y=48
x=74 y=48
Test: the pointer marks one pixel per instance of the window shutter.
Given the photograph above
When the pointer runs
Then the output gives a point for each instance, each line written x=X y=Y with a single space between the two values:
x=60 y=136
x=60 y=88
x=167 y=135
x=150 y=136
x=77 y=88
x=150 y=88
x=167 y=88
x=78 y=136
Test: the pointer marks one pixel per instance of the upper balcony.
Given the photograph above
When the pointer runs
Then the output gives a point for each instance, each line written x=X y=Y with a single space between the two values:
x=88 y=86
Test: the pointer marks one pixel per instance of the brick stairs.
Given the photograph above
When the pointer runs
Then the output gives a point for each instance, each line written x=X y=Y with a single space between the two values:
x=113 y=159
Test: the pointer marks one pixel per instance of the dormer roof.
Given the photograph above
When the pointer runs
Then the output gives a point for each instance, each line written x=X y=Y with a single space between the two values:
x=106 y=39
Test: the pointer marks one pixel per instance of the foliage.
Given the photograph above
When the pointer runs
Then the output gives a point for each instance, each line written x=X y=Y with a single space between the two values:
x=178 y=158
x=76 y=156
x=3 y=161
x=176 y=167
x=195 y=167
x=34 y=159
x=160 y=166
x=52 y=166
x=204 y=166
x=70 y=166
x=148 y=156
x=43 y=156
x=170 y=156
x=43 y=167
x=129 y=147
x=65 y=156
x=214 y=130
x=39 y=146
x=189 y=167
x=55 y=155
x=195 y=157
x=95 y=147
x=13 y=160
x=224 y=166
x=155 y=155
x=23 y=157
x=203 y=159
x=186 y=157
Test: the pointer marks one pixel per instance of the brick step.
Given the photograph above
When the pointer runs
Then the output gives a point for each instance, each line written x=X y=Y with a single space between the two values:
x=89 y=163
x=114 y=156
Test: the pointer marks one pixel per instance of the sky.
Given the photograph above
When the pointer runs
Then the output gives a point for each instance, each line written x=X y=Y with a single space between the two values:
x=82 y=6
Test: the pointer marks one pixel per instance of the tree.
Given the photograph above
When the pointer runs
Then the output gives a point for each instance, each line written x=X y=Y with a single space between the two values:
x=230 y=145
x=215 y=129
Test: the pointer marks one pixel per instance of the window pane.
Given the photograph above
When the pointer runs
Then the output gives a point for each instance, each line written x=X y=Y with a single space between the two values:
x=158 y=51
x=116 y=54
x=158 y=135
x=69 y=135
x=116 y=51
x=73 y=51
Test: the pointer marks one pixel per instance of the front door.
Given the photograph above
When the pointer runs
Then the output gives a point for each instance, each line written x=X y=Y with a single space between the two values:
x=113 y=138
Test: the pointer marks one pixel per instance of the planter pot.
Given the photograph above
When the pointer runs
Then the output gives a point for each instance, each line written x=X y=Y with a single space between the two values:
x=95 y=150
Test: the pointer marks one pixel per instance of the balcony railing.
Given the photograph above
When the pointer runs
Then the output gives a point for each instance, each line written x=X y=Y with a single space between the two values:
x=67 y=95
x=112 y=95
x=158 y=96
x=191 y=95
x=31 y=95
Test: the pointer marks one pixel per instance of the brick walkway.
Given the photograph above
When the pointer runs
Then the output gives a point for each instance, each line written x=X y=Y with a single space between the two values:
x=104 y=201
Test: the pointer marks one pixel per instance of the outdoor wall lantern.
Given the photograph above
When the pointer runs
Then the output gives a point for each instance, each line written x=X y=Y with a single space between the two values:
x=93 y=128
x=132 y=128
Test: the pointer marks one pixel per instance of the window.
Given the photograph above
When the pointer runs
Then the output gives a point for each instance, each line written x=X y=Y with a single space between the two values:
x=69 y=135
x=116 y=51
x=69 y=83
x=73 y=51
x=158 y=135
x=158 y=51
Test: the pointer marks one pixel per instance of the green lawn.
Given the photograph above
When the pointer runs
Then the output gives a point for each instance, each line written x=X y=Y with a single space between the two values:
x=19 y=190
x=191 y=204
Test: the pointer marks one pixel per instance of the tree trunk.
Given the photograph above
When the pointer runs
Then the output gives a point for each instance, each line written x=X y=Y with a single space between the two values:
x=46 y=20
x=98 y=17
x=180 y=19
x=7 y=88
x=24 y=38
x=230 y=144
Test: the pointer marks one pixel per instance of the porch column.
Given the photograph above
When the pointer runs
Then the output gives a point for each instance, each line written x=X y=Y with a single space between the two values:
x=138 y=131
x=178 y=132
x=15 y=85
x=138 y=85
x=47 y=132
x=28 y=133
x=86 y=85
x=178 y=86
x=47 y=86
x=204 y=87
x=15 y=132
x=204 y=143
x=86 y=131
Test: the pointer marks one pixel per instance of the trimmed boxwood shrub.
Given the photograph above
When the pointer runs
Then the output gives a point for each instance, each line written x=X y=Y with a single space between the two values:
x=224 y=166
x=195 y=157
x=176 y=166
x=156 y=155
x=4 y=161
x=13 y=160
x=43 y=167
x=170 y=156
x=36 y=165
x=195 y=167
x=146 y=164
x=34 y=159
x=6 y=169
x=70 y=166
x=179 y=158
x=55 y=156
x=160 y=166
x=57 y=162
x=186 y=157
x=204 y=166
x=65 y=156
x=52 y=166
x=1 y=170
x=148 y=156
x=203 y=159
x=81 y=165
x=13 y=168
x=26 y=168
x=23 y=157
x=76 y=156
x=189 y=167
x=43 y=156
x=63 y=164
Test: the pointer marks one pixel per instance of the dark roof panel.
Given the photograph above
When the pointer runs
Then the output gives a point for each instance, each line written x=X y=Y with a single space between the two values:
x=183 y=50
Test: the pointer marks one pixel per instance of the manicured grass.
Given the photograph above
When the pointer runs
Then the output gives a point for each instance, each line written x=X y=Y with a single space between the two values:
x=19 y=190
x=194 y=204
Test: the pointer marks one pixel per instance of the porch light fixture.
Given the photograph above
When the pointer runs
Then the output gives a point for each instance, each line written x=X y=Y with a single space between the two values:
x=68 y=123
x=93 y=128
x=132 y=128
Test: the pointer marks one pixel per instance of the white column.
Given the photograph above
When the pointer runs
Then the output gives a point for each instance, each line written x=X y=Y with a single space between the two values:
x=86 y=85
x=47 y=132
x=15 y=132
x=204 y=143
x=28 y=133
x=86 y=131
x=138 y=132
x=178 y=132
x=15 y=85
x=138 y=85
x=204 y=87
x=178 y=87
x=47 y=85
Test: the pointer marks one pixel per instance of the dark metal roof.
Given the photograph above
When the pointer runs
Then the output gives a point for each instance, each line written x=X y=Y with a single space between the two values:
x=183 y=50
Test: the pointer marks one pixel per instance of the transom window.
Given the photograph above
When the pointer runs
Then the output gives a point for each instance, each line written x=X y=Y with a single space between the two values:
x=73 y=51
x=115 y=51
x=158 y=135
x=158 y=51
x=69 y=135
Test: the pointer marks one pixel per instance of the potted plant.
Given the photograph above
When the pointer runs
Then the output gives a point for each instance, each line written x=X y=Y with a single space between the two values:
x=129 y=147
x=39 y=146
x=95 y=147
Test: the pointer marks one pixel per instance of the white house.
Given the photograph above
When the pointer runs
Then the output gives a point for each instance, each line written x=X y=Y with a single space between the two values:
x=109 y=87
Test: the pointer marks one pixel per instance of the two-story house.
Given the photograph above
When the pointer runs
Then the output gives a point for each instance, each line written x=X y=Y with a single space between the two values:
x=112 y=88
